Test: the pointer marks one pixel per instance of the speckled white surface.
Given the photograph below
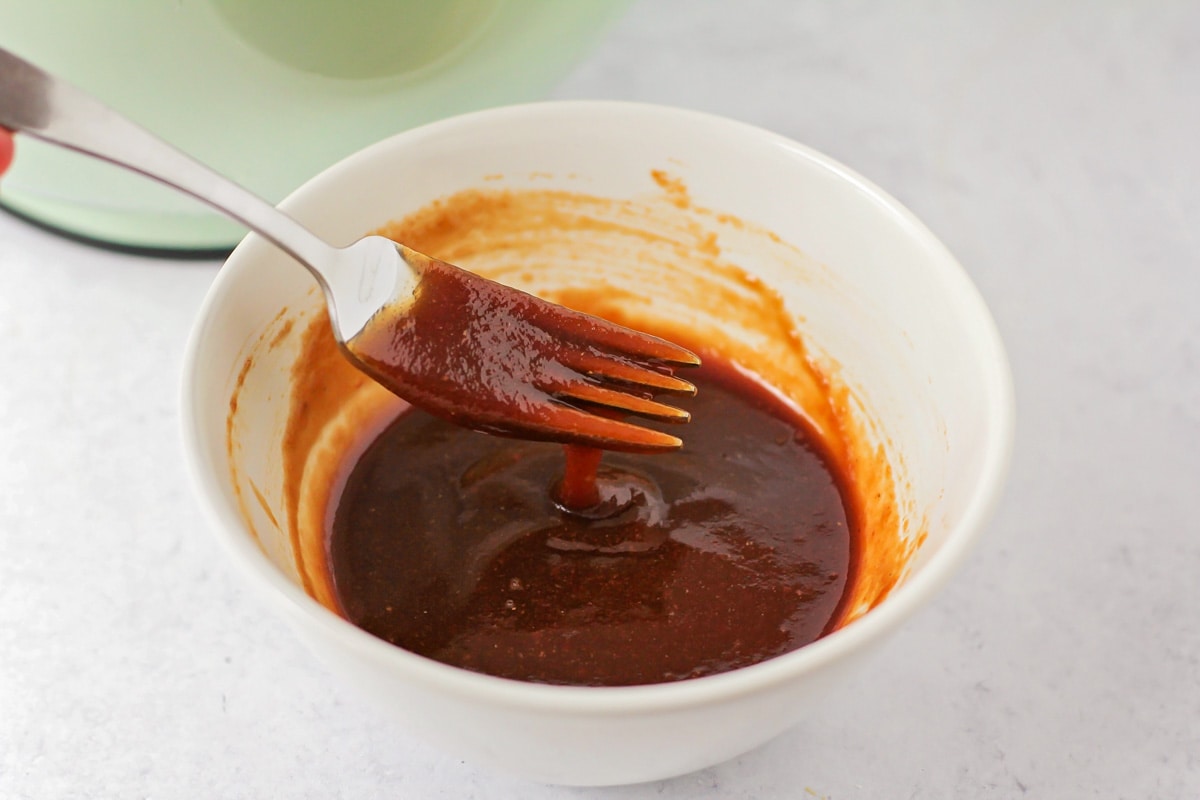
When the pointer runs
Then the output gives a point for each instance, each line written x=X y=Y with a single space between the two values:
x=1051 y=145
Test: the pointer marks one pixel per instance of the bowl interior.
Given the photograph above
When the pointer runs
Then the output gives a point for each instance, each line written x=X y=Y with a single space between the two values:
x=878 y=301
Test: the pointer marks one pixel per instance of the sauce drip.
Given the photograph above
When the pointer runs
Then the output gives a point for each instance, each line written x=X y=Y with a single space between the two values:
x=479 y=552
x=579 y=489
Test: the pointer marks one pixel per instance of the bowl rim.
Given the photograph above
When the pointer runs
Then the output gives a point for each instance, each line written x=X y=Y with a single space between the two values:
x=297 y=605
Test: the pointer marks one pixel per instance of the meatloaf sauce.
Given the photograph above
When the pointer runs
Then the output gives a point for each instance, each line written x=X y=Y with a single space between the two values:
x=459 y=546
x=778 y=520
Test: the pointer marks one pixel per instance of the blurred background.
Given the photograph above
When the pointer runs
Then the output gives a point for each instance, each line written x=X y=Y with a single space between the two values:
x=308 y=80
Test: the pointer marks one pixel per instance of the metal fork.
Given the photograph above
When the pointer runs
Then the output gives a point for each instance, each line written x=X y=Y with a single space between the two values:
x=514 y=365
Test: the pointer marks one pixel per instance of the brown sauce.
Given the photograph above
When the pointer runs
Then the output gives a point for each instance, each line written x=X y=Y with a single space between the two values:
x=737 y=548
x=659 y=262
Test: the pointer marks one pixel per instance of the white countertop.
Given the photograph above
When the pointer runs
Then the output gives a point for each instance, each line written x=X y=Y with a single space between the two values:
x=1053 y=147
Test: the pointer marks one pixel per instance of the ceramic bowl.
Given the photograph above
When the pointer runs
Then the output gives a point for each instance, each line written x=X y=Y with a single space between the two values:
x=874 y=293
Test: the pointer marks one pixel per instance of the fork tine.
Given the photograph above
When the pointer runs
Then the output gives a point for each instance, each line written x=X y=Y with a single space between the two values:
x=610 y=337
x=629 y=374
x=623 y=401
x=610 y=434
x=641 y=345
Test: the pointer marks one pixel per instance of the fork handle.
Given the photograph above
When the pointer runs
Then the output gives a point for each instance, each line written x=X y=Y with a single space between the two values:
x=36 y=103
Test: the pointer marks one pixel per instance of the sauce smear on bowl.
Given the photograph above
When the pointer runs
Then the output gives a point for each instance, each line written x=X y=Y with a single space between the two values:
x=478 y=551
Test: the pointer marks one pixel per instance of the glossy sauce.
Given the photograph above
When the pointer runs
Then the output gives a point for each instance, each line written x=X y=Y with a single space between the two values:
x=659 y=263
x=488 y=357
x=459 y=547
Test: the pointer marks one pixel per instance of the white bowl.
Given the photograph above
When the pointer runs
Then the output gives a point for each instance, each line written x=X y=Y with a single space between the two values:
x=882 y=298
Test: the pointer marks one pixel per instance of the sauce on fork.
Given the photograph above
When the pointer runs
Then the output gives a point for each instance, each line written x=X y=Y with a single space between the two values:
x=480 y=354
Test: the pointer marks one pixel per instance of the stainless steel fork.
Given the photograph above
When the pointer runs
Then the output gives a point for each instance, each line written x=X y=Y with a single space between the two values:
x=570 y=364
